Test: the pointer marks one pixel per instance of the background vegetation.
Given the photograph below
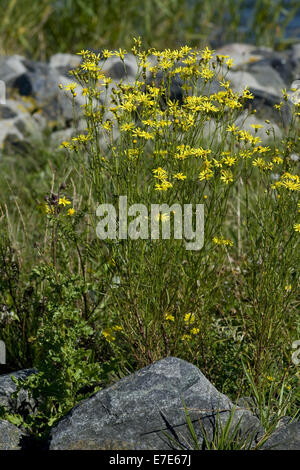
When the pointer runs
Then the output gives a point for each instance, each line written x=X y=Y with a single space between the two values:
x=40 y=28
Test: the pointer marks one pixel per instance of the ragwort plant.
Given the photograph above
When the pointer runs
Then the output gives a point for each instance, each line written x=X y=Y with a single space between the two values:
x=145 y=142
x=100 y=309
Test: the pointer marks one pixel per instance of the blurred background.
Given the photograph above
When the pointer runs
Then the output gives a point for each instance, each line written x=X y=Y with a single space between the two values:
x=39 y=28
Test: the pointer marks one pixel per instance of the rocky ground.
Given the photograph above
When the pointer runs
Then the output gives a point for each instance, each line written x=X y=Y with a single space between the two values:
x=34 y=102
x=138 y=411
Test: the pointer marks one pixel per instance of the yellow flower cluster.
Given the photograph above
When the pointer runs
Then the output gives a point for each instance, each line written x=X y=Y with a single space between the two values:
x=162 y=176
x=189 y=320
x=169 y=317
x=51 y=208
x=288 y=181
x=184 y=151
x=222 y=241
x=170 y=127
x=110 y=333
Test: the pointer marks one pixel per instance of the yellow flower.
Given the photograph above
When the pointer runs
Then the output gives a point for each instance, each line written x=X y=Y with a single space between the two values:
x=117 y=328
x=106 y=53
x=217 y=164
x=164 y=186
x=89 y=65
x=143 y=134
x=162 y=217
x=208 y=107
x=71 y=87
x=229 y=161
x=81 y=138
x=229 y=63
x=195 y=331
x=65 y=144
x=83 y=52
x=206 y=73
x=222 y=241
x=284 y=94
x=297 y=227
x=260 y=163
x=63 y=201
x=189 y=318
x=206 y=174
x=226 y=176
x=127 y=127
x=107 y=125
x=179 y=176
x=160 y=173
x=207 y=54
x=49 y=209
x=234 y=103
x=108 y=335
x=225 y=84
x=186 y=338
x=169 y=317
x=277 y=160
x=121 y=53
x=233 y=128
x=247 y=94
x=71 y=211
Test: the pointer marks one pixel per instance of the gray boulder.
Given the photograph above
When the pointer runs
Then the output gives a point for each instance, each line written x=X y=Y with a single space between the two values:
x=9 y=131
x=17 y=123
x=296 y=51
x=40 y=85
x=10 y=436
x=241 y=53
x=267 y=76
x=282 y=63
x=63 y=63
x=11 y=68
x=285 y=437
x=136 y=412
x=121 y=70
x=20 y=404
x=296 y=58
x=247 y=56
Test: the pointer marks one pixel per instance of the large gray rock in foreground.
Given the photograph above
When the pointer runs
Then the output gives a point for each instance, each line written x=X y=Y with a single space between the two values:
x=135 y=412
x=10 y=436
